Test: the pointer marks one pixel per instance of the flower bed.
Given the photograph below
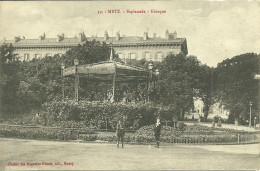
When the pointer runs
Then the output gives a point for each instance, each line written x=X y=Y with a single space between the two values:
x=37 y=133
x=144 y=135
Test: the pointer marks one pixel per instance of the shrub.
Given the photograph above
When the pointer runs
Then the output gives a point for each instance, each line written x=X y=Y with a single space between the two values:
x=181 y=126
x=97 y=114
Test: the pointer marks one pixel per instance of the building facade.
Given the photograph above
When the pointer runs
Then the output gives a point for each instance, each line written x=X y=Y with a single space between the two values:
x=127 y=47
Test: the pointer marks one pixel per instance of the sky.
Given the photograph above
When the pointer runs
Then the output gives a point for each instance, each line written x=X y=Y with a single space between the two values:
x=215 y=30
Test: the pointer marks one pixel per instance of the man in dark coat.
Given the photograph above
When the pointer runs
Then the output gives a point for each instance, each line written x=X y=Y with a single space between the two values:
x=120 y=133
x=157 y=131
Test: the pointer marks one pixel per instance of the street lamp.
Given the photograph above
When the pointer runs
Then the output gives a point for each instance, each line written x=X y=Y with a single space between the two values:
x=250 y=121
x=156 y=72
x=63 y=86
x=76 y=63
x=150 y=66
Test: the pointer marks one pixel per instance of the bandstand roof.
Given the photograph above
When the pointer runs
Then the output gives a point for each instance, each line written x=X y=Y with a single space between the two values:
x=104 y=71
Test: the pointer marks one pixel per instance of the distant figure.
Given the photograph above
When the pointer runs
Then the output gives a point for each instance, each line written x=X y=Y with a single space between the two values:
x=44 y=116
x=120 y=133
x=36 y=118
x=157 y=132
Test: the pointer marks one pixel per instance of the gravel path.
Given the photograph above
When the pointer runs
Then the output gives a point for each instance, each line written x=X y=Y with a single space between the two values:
x=94 y=156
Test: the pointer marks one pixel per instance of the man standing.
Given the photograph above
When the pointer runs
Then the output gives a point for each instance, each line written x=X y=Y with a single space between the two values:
x=157 y=131
x=120 y=133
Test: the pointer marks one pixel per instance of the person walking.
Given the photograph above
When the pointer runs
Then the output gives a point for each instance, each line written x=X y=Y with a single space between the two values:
x=157 y=131
x=120 y=133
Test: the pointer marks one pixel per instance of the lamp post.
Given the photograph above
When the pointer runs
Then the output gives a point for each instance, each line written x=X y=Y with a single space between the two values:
x=157 y=72
x=76 y=63
x=62 y=77
x=106 y=122
x=257 y=78
x=250 y=121
x=150 y=67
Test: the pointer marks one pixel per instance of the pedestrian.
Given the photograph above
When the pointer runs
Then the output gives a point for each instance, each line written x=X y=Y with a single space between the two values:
x=120 y=133
x=157 y=131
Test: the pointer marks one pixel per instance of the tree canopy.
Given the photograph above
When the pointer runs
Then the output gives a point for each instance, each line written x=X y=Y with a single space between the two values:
x=183 y=79
x=235 y=86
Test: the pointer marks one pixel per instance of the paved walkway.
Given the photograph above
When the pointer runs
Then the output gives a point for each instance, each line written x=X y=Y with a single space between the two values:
x=227 y=126
x=93 y=156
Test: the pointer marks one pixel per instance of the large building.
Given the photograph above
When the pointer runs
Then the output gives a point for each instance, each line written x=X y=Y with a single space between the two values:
x=127 y=47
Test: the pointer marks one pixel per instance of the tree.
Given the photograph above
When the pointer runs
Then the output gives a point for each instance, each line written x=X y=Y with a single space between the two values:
x=182 y=78
x=236 y=87
x=9 y=80
x=205 y=88
x=41 y=81
x=89 y=52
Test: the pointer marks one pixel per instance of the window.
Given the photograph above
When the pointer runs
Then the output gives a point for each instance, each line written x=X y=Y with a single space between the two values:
x=26 y=57
x=159 y=56
x=155 y=57
x=16 y=56
x=37 y=56
x=132 y=56
x=170 y=53
x=147 y=56
x=48 y=54
x=120 y=55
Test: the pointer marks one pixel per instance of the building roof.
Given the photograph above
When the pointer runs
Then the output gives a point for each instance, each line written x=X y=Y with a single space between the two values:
x=44 y=42
x=125 y=40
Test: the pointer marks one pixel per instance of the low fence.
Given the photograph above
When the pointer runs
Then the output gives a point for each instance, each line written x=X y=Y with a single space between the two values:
x=106 y=135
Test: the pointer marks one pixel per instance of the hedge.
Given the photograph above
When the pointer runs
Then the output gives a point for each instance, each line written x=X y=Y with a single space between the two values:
x=97 y=114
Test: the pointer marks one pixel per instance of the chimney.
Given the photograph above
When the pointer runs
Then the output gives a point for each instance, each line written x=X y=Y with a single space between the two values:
x=105 y=35
x=4 y=39
x=167 y=34
x=175 y=35
x=80 y=37
x=145 y=36
x=23 y=38
x=58 y=38
x=83 y=36
x=117 y=36
x=16 y=39
x=154 y=35
x=62 y=36
x=42 y=37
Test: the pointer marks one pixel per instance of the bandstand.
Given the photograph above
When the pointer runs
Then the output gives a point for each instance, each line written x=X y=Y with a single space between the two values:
x=109 y=71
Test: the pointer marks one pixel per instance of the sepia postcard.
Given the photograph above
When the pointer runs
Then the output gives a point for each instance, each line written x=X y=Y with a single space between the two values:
x=129 y=85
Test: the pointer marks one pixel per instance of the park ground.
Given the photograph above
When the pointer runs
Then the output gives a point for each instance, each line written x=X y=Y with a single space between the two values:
x=98 y=156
